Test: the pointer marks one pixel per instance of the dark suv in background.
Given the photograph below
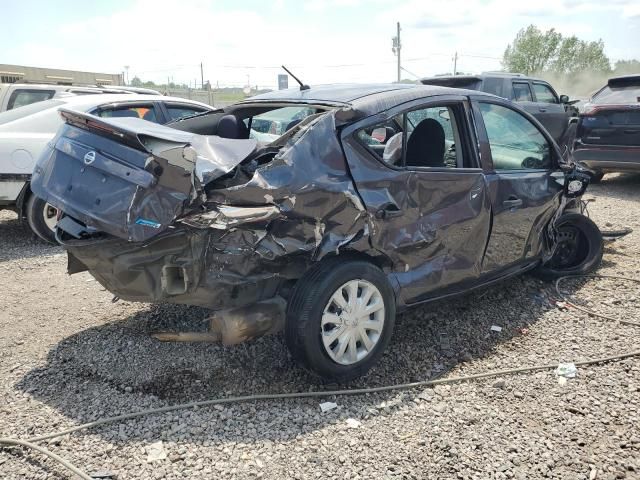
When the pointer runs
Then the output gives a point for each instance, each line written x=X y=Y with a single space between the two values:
x=608 y=133
x=534 y=95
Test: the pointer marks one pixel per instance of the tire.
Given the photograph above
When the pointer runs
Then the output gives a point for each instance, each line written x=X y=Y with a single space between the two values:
x=313 y=297
x=597 y=177
x=579 y=251
x=39 y=213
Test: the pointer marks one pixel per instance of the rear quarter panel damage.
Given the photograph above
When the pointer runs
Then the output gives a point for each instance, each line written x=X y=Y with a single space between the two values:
x=320 y=214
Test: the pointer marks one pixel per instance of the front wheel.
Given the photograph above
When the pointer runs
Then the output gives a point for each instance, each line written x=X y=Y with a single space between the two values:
x=340 y=319
x=42 y=218
x=579 y=248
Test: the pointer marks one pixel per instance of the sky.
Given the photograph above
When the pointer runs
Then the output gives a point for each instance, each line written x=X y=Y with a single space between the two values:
x=321 y=41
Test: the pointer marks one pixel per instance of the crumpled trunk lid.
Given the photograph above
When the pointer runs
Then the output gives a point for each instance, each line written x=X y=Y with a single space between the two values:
x=128 y=177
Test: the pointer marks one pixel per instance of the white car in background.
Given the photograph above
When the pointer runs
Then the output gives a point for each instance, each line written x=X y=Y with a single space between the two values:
x=25 y=131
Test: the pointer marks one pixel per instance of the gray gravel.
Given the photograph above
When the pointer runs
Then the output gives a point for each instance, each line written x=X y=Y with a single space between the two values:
x=68 y=355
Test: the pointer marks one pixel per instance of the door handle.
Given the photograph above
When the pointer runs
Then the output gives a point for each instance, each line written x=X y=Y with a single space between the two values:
x=388 y=210
x=543 y=110
x=631 y=131
x=512 y=202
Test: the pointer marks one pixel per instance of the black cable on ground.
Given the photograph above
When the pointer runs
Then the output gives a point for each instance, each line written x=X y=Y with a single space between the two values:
x=591 y=312
x=31 y=443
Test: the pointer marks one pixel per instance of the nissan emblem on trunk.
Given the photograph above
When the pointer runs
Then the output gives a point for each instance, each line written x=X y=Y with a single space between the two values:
x=89 y=157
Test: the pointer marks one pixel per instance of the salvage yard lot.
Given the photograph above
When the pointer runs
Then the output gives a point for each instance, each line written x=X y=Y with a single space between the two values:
x=69 y=355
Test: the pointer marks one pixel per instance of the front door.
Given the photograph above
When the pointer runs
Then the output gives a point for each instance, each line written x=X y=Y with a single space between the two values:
x=524 y=183
x=420 y=181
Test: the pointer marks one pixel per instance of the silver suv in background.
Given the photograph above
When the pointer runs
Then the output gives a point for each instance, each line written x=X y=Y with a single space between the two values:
x=25 y=131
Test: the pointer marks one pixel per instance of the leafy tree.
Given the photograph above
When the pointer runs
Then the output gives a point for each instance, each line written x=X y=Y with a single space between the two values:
x=534 y=51
x=135 y=82
x=575 y=56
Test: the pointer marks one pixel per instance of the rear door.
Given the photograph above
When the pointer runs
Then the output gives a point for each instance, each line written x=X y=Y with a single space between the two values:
x=524 y=182
x=551 y=113
x=426 y=194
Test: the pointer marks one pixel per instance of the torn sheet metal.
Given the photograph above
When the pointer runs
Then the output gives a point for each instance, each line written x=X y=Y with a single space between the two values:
x=128 y=177
x=260 y=227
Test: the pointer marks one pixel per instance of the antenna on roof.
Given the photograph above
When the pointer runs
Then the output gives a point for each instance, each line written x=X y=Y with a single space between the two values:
x=302 y=85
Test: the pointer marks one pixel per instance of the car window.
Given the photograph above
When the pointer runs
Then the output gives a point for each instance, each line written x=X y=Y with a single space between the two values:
x=493 y=85
x=22 y=97
x=626 y=94
x=270 y=125
x=544 y=93
x=177 y=112
x=145 y=112
x=431 y=139
x=515 y=142
x=522 y=92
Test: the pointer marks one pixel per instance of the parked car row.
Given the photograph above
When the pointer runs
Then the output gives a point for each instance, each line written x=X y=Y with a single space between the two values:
x=372 y=199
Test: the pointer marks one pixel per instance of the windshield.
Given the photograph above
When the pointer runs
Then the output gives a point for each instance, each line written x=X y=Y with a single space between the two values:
x=626 y=94
x=20 y=112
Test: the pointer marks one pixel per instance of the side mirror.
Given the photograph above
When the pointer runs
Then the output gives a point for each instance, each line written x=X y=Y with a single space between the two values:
x=564 y=98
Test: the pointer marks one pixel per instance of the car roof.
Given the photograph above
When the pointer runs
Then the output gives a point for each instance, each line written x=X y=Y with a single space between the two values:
x=367 y=99
x=344 y=93
x=624 y=80
x=479 y=77
x=94 y=100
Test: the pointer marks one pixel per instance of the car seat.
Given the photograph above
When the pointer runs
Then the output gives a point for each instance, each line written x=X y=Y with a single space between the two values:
x=393 y=150
x=230 y=126
x=425 y=147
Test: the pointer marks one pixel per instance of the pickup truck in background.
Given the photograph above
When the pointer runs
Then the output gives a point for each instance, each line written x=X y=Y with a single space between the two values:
x=536 y=96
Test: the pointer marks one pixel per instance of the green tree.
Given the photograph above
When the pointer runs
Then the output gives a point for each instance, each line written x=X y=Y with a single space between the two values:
x=532 y=50
x=135 y=82
x=575 y=56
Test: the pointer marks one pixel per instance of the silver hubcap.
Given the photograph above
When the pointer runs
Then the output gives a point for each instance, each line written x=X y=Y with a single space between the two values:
x=352 y=322
x=50 y=215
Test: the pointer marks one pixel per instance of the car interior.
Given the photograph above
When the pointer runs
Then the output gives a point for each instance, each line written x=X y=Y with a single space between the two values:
x=432 y=135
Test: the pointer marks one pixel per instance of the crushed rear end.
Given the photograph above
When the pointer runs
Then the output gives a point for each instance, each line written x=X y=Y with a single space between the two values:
x=160 y=215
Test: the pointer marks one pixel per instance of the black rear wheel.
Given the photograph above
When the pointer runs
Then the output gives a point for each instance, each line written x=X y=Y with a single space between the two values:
x=579 y=248
x=42 y=218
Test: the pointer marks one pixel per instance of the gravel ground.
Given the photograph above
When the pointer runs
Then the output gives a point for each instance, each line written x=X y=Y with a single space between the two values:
x=68 y=355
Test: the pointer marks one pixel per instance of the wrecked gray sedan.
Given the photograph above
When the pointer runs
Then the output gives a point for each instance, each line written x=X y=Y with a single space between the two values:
x=376 y=198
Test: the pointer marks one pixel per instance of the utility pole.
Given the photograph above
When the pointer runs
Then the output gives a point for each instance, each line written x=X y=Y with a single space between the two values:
x=201 y=76
x=455 y=64
x=397 y=46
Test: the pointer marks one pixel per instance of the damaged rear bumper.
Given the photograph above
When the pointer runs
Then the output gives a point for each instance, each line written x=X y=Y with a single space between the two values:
x=210 y=268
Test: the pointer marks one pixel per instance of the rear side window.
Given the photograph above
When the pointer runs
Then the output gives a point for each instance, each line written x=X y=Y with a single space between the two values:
x=544 y=93
x=516 y=143
x=494 y=86
x=423 y=138
x=20 y=98
x=176 y=112
x=145 y=112
x=522 y=92
x=622 y=95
